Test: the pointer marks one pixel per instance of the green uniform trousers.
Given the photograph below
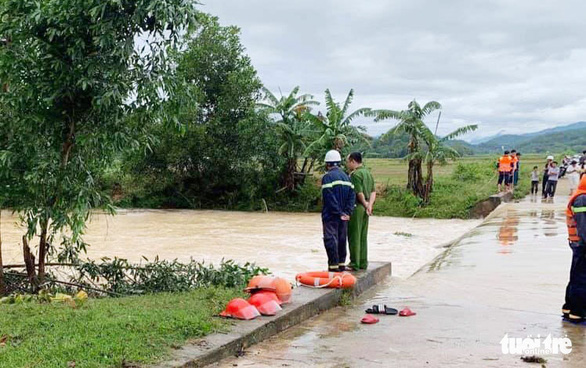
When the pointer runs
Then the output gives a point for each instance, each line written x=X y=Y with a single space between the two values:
x=357 y=238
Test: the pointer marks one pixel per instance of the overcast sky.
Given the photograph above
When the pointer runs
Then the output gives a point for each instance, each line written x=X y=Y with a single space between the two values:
x=517 y=66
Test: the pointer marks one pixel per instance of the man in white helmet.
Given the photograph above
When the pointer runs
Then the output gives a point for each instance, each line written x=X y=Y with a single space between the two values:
x=338 y=204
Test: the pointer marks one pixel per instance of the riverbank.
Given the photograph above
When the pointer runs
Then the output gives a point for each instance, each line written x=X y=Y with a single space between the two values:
x=458 y=187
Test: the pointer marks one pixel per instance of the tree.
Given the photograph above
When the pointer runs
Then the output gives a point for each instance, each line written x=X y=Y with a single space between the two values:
x=293 y=127
x=226 y=154
x=2 y=282
x=75 y=72
x=439 y=152
x=411 y=122
x=335 y=129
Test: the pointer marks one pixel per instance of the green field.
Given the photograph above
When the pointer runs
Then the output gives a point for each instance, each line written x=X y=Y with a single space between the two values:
x=459 y=186
x=109 y=332
x=394 y=170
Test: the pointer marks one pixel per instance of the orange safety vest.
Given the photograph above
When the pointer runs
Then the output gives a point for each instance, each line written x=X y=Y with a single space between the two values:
x=514 y=162
x=505 y=164
x=570 y=220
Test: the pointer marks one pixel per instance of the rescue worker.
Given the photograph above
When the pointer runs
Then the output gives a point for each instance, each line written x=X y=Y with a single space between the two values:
x=338 y=204
x=575 y=307
x=505 y=169
x=365 y=197
x=517 y=162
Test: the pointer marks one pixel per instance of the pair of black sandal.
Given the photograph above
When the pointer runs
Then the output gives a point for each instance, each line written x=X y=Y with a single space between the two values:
x=382 y=309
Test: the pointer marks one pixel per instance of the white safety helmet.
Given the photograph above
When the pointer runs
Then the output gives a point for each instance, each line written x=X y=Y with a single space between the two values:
x=333 y=156
x=550 y=158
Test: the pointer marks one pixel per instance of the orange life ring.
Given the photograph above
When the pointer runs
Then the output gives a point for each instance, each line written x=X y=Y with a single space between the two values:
x=338 y=280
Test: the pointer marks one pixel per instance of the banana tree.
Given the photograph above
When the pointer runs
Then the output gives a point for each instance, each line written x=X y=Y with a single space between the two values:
x=438 y=152
x=335 y=129
x=411 y=123
x=293 y=127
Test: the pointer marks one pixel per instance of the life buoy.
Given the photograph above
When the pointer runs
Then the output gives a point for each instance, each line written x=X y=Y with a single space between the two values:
x=338 y=280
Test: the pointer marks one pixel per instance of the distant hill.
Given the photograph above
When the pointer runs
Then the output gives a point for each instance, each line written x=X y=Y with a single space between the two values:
x=559 y=139
x=568 y=136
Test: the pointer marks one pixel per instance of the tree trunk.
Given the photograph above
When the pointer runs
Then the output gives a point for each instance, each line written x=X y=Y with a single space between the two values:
x=2 y=283
x=415 y=174
x=428 y=183
x=29 y=261
x=415 y=181
x=305 y=162
x=43 y=251
x=289 y=177
x=311 y=166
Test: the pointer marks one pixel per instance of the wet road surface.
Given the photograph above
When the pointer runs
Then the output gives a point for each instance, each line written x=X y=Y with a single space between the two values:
x=508 y=276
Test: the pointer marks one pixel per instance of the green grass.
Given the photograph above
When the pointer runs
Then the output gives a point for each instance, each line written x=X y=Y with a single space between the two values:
x=455 y=191
x=393 y=171
x=108 y=332
x=454 y=195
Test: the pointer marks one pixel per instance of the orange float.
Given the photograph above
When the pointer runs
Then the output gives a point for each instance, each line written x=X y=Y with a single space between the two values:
x=337 y=280
x=278 y=285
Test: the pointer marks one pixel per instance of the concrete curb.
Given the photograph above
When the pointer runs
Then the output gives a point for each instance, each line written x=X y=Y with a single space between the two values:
x=306 y=304
x=484 y=208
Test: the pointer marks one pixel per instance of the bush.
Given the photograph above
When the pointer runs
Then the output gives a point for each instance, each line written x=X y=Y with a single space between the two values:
x=120 y=277
x=472 y=172
x=305 y=198
x=397 y=201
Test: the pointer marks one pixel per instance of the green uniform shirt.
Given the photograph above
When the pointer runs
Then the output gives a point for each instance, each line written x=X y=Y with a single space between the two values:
x=363 y=182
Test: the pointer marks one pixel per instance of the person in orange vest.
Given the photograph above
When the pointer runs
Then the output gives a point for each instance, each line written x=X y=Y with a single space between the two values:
x=574 y=308
x=505 y=168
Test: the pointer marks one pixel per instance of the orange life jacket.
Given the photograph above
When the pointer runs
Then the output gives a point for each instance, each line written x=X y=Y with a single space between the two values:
x=505 y=164
x=514 y=162
x=570 y=220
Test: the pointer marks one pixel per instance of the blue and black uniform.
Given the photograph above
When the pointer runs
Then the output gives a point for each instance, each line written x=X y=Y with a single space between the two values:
x=576 y=290
x=338 y=200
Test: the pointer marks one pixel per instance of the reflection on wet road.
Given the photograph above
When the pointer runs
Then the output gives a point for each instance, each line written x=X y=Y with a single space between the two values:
x=508 y=276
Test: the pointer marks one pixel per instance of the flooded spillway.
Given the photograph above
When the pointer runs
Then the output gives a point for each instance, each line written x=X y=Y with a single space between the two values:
x=286 y=243
x=504 y=279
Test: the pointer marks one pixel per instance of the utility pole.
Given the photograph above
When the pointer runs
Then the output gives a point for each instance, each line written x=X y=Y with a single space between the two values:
x=437 y=124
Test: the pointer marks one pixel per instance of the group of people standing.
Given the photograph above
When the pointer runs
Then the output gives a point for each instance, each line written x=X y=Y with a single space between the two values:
x=348 y=200
x=508 y=167
x=551 y=175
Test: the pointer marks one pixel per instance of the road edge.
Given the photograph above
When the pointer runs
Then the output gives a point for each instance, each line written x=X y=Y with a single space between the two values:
x=306 y=304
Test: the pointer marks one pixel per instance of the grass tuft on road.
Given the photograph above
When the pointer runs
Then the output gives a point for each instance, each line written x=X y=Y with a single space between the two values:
x=109 y=332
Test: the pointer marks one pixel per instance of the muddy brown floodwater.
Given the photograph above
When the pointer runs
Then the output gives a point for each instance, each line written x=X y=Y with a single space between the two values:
x=286 y=243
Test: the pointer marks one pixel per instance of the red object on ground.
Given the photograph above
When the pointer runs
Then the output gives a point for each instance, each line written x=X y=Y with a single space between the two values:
x=270 y=294
x=266 y=305
x=369 y=319
x=240 y=309
x=406 y=312
x=280 y=286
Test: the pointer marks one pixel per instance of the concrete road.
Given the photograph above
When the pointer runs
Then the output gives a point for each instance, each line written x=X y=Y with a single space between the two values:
x=507 y=276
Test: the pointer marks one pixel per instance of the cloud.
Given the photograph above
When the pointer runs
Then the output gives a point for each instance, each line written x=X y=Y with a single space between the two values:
x=512 y=65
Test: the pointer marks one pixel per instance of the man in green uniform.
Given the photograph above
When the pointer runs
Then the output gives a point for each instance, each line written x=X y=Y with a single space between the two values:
x=365 y=197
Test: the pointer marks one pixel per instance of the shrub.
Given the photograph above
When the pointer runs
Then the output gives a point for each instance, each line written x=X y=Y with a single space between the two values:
x=471 y=172
x=119 y=276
